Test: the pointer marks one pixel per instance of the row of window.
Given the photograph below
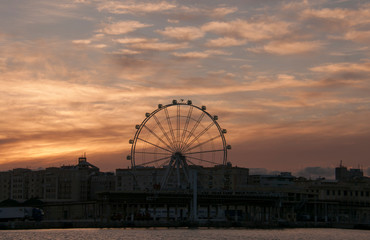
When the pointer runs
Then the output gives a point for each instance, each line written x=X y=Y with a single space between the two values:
x=347 y=193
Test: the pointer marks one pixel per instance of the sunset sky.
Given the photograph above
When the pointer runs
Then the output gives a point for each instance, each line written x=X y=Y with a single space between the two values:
x=289 y=80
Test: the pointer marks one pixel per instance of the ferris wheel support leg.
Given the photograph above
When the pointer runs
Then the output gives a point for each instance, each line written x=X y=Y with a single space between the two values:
x=178 y=172
x=185 y=169
x=195 y=195
x=167 y=174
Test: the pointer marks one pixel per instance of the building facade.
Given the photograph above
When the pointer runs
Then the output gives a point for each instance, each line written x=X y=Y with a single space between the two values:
x=218 y=178
x=68 y=183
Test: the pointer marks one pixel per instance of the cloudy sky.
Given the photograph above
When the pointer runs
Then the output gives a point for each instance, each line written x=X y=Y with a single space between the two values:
x=289 y=80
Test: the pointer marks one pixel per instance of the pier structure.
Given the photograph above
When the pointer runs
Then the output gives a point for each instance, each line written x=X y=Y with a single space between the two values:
x=178 y=206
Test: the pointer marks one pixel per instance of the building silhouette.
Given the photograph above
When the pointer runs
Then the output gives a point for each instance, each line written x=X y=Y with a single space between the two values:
x=343 y=174
x=226 y=194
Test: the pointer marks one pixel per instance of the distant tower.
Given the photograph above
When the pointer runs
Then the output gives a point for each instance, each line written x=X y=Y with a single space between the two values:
x=341 y=172
x=82 y=159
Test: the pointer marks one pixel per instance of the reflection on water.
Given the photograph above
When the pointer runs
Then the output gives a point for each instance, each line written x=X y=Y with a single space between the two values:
x=206 y=234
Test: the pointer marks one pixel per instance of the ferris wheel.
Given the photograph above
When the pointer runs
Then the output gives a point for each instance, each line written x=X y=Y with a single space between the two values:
x=176 y=137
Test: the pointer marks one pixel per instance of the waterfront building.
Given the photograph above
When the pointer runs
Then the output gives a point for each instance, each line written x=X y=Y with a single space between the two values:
x=67 y=183
x=102 y=182
x=35 y=184
x=218 y=178
x=5 y=180
x=341 y=201
x=223 y=193
x=282 y=179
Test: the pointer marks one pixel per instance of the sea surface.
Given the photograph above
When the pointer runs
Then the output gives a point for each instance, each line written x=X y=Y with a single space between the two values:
x=180 y=234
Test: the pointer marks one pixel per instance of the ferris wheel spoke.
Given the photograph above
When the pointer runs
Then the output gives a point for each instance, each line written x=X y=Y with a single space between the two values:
x=178 y=122
x=200 y=144
x=202 y=160
x=165 y=163
x=154 y=134
x=170 y=127
x=188 y=117
x=154 y=153
x=190 y=161
x=198 y=136
x=154 y=161
x=162 y=129
x=208 y=151
x=193 y=129
x=155 y=145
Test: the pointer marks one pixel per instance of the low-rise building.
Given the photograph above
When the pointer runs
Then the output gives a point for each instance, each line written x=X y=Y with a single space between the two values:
x=218 y=178
x=67 y=183
x=282 y=179
x=5 y=180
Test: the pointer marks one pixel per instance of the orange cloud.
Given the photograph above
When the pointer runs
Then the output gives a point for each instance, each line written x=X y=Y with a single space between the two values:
x=195 y=11
x=191 y=55
x=289 y=48
x=350 y=23
x=134 y=7
x=340 y=67
x=182 y=33
x=128 y=52
x=225 y=42
x=173 y=21
x=348 y=17
x=130 y=40
x=82 y=41
x=199 y=55
x=158 y=46
x=358 y=36
x=222 y=11
x=123 y=27
x=252 y=31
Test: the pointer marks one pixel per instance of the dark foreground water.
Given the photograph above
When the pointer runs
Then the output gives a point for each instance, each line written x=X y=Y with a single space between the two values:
x=180 y=234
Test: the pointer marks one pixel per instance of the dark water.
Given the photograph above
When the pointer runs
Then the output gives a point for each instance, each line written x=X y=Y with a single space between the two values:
x=180 y=234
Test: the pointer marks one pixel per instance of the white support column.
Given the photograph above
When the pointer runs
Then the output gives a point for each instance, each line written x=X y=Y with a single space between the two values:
x=195 y=195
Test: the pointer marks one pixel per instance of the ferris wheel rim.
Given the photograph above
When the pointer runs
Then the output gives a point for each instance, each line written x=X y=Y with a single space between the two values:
x=164 y=108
